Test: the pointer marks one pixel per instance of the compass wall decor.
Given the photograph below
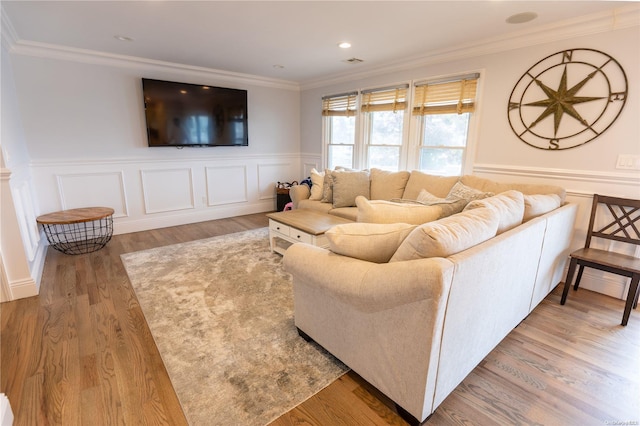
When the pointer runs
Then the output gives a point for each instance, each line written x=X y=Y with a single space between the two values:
x=567 y=99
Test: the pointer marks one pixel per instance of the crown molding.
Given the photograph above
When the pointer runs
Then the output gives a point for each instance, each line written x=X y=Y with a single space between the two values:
x=53 y=51
x=617 y=19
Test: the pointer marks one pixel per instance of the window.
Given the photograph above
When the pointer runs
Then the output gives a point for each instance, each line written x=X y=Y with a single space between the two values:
x=383 y=114
x=368 y=129
x=339 y=113
x=443 y=110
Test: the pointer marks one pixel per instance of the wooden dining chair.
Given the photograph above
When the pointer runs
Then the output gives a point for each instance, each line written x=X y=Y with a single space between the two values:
x=623 y=226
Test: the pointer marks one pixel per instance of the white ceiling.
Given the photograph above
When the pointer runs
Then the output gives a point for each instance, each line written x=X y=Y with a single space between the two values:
x=253 y=37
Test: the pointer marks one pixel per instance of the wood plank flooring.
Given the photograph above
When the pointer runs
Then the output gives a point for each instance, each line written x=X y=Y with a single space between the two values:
x=81 y=353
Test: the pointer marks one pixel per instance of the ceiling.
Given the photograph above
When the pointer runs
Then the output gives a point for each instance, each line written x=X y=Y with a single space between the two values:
x=286 y=40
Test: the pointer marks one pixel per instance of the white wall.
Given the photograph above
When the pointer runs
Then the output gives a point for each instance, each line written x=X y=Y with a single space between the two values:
x=499 y=154
x=86 y=138
x=21 y=251
x=74 y=136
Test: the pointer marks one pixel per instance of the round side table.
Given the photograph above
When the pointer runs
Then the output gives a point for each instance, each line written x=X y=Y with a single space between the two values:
x=78 y=231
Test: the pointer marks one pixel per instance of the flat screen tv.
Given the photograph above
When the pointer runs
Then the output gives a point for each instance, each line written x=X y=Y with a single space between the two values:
x=182 y=114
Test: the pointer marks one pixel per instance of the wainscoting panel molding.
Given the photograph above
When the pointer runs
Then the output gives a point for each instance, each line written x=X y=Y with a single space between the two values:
x=226 y=185
x=103 y=189
x=269 y=174
x=580 y=186
x=167 y=190
x=307 y=166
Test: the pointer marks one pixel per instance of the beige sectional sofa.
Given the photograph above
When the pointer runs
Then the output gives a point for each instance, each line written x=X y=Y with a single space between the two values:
x=413 y=308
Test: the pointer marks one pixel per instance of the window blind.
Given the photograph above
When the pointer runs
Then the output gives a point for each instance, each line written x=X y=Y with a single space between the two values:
x=339 y=105
x=446 y=97
x=387 y=99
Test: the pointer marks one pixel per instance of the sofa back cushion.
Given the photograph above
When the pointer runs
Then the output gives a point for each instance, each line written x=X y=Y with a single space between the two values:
x=488 y=185
x=368 y=241
x=450 y=235
x=437 y=185
x=539 y=204
x=381 y=211
x=509 y=205
x=387 y=185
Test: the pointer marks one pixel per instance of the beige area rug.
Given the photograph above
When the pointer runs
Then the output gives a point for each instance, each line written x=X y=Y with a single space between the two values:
x=221 y=313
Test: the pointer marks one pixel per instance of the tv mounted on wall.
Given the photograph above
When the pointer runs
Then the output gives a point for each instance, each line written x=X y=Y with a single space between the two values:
x=182 y=114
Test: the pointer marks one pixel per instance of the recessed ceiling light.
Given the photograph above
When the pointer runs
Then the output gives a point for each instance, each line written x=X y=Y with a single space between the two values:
x=122 y=38
x=521 y=18
x=344 y=45
x=278 y=66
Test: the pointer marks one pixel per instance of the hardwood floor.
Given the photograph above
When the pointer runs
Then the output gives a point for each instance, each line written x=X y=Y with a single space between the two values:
x=81 y=353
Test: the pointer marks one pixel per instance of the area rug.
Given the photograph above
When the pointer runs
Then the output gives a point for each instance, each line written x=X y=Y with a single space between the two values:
x=221 y=313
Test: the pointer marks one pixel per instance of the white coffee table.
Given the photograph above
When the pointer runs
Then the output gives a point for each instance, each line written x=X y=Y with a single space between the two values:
x=300 y=226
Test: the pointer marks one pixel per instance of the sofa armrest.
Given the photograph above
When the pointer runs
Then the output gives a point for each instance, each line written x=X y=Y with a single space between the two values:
x=369 y=287
x=299 y=192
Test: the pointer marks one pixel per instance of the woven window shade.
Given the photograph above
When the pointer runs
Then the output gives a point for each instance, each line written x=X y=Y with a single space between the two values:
x=339 y=105
x=449 y=97
x=390 y=99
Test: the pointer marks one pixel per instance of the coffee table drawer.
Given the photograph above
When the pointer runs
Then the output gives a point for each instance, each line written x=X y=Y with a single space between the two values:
x=279 y=227
x=300 y=236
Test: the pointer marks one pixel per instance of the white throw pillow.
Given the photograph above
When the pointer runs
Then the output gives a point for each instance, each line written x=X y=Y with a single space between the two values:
x=368 y=241
x=510 y=206
x=449 y=236
x=380 y=211
x=537 y=205
x=317 y=183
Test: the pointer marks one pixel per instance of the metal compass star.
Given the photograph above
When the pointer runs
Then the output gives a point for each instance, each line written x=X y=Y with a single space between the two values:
x=561 y=101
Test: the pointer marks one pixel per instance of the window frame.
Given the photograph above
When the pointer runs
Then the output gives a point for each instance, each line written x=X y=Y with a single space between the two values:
x=412 y=127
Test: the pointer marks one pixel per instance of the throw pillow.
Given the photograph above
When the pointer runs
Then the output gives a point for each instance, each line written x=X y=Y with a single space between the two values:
x=537 y=205
x=449 y=206
x=368 y=241
x=347 y=185
x=464 y=192
x=317 y=183
x=380 y=211
x=327 y=187
x=510 y=206
x=449 y=236
x=387 y=185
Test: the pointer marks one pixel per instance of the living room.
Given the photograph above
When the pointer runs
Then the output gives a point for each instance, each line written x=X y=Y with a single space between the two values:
x=73 y=132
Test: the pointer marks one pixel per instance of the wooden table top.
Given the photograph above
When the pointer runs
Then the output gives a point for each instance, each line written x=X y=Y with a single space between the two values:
x=308 y=220
x=85 y=214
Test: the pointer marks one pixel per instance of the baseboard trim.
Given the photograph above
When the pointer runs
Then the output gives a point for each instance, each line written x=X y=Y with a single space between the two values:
x=20 y=289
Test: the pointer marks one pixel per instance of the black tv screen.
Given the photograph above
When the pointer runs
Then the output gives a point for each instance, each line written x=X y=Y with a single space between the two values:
x=182 y=114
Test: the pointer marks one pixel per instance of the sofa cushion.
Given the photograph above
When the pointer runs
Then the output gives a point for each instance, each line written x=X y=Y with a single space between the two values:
x=510 y=206
x=449 y=236
x=350 y=213
x=537 y=205
x=488 y=185
x=317 y=183
x=347 y=185
x=437 y=185
x=381 y=211
x=316 y=206
x=327 y=187
x=387 y=185
x=368 y=241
